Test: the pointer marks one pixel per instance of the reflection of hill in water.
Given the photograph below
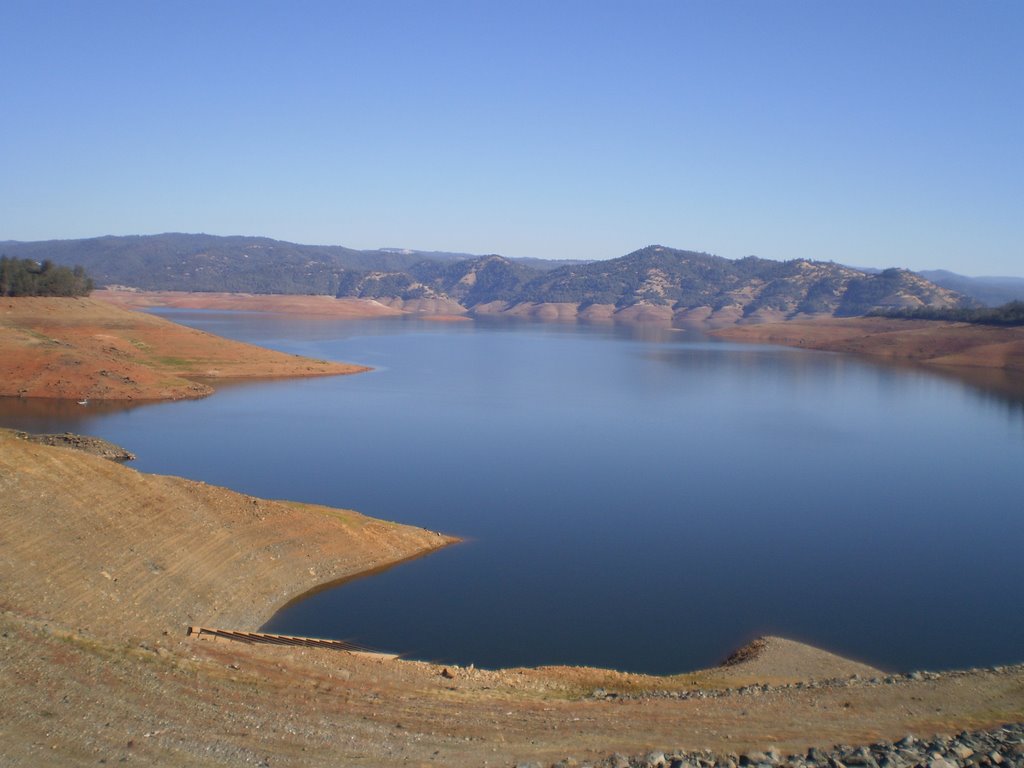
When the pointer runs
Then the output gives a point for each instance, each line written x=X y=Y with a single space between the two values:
x=994 y=386
x=609 y=478
x=999 y=387
x=37 y=414
x=34 y=414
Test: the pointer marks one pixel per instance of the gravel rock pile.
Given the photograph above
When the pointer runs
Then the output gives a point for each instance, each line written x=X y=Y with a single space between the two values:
x=1002 y=747
x=94 y=445
x=853 y=681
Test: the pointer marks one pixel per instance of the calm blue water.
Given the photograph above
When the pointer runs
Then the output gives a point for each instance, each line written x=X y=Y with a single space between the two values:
x=632 y=499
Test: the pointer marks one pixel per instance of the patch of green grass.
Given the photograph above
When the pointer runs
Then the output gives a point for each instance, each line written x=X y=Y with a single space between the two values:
x=40 y=337
x=172 y=362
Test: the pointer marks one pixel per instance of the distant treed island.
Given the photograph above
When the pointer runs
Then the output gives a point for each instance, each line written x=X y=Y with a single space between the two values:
x=27 y=277
x=655 y=280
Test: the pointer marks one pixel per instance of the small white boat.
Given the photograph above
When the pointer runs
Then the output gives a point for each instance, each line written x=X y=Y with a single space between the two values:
x=84 y=402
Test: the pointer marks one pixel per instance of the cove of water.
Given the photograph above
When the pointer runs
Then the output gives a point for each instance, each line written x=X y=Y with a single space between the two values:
x=636 y=499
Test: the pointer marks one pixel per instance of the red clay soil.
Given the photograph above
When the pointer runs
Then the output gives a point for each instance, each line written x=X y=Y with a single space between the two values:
x=89 y=349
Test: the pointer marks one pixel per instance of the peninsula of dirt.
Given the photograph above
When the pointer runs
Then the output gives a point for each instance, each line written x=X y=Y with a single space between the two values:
x=105 y=567
x=85 y=349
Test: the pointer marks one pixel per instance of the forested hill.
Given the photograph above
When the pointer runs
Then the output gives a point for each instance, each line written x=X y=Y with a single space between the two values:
x=670 y=281
x=184 y=262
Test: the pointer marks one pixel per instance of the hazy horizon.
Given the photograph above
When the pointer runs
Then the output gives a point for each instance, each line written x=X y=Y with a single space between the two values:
x=1018 y=275
x=865 y=133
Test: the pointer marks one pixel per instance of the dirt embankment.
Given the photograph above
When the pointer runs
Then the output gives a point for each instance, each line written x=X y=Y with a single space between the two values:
x=89 y=349
x=103 y=568
x=126 y=551
x=924 y=341
x=326 y=306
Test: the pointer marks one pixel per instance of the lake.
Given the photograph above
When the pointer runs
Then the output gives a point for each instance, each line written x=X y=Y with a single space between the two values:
x=634 y=498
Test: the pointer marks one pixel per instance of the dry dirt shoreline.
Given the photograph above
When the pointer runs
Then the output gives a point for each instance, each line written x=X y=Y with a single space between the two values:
x=89 y=349
x=949 y=345
x=103 y=568
x=933 y=343
x=326 y=306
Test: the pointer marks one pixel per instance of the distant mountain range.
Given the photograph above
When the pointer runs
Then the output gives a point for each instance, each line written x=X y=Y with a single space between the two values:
x=990 y=291
x=236 y=264
x=653 y=281
x=183 y=262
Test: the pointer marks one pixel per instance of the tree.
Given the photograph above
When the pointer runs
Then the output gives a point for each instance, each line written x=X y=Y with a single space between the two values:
x=25 y=277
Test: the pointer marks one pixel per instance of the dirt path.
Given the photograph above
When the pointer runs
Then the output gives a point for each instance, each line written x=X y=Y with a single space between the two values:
x=103 y=568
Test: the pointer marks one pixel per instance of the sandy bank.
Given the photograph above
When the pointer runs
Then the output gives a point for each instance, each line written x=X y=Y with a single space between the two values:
x=90 y=349
x=103 y=567
x=923 y=341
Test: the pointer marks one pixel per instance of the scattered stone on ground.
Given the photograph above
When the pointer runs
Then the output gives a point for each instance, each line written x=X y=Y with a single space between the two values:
x=97 y=446
x=1002 y=747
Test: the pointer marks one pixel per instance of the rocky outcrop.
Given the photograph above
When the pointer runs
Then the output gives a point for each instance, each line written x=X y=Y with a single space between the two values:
x=97 y=446
x=654 y=284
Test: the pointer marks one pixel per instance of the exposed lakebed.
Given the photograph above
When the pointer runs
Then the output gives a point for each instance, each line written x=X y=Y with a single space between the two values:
x=630 y=498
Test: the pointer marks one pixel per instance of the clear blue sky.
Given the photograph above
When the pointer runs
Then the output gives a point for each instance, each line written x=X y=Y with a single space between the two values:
x=870 y=133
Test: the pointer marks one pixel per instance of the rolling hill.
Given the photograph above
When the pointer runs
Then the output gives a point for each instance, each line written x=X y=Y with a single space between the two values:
x=674 y=281
x=653 y=281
